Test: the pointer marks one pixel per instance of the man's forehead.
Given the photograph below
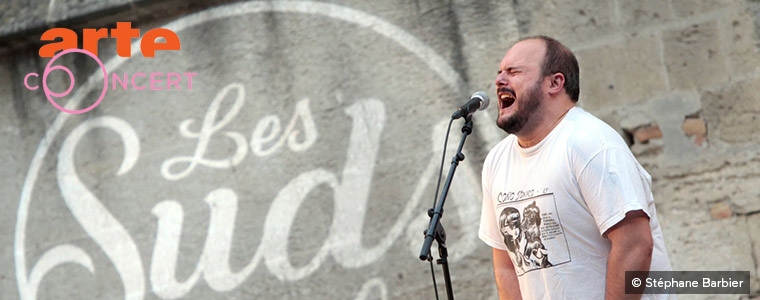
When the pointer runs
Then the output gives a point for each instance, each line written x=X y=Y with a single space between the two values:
x=525 y=52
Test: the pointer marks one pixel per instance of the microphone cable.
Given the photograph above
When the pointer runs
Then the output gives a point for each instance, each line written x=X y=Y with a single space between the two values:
x=435 y=199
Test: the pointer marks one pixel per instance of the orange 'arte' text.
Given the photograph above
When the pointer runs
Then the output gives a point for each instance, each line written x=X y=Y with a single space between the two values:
x=123 y=33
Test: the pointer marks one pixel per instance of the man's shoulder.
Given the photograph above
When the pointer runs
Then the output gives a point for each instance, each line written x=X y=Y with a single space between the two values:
x=587 y=130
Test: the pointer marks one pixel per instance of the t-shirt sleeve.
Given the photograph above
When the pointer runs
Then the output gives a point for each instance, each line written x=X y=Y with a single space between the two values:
x=489 y=232
x=612 y=184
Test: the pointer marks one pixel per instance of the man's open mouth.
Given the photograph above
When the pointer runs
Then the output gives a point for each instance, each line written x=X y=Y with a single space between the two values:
x=506 y=99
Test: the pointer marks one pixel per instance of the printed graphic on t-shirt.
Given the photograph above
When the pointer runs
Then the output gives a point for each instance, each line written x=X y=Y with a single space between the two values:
x=533 y=233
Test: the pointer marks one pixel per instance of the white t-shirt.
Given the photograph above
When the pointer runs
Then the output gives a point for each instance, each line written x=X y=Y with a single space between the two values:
x=548 y=206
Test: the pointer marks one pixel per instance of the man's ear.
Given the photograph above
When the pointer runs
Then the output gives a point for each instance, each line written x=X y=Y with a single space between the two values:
x=556 y=83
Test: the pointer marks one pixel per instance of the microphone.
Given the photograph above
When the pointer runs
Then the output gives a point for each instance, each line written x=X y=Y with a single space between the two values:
x=478 y=101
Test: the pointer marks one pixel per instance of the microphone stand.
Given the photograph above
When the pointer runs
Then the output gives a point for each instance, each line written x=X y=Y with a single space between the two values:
x=435 y=230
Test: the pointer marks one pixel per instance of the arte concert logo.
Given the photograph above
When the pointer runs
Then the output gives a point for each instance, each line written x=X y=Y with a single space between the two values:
x=66 y=41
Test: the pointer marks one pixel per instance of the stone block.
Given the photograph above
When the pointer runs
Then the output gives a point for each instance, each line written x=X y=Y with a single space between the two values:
x=753 y=223
x=64 y=10
x=639 y=14
x=718 y=245
x=694 y=57
x=753 y=10
x=688 y=8
x=621 y=73
x=572 y=22
x=717 y=187
x=733 y=112
x=11 y=155
x=19 y=15
x=487 y=37
x=32 y=17
x=740 y=39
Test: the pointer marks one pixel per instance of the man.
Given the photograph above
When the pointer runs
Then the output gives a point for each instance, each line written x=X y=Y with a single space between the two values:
x=588 y=210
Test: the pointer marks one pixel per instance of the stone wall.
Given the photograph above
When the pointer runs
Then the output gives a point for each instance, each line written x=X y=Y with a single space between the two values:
x=290 y=149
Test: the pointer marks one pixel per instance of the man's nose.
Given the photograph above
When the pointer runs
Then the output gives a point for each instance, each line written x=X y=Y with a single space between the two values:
x=501 y=79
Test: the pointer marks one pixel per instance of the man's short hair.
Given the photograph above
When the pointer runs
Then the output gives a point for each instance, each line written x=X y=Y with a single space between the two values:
x=559 y=59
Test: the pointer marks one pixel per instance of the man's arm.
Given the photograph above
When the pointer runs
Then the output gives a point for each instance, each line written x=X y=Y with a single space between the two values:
x=632 y=244
x=506 y=278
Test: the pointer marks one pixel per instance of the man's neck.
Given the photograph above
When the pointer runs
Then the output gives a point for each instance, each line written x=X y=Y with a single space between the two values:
x=545 y=126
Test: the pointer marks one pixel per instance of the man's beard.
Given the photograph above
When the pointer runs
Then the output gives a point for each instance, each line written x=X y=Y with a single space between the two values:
x=525 y=110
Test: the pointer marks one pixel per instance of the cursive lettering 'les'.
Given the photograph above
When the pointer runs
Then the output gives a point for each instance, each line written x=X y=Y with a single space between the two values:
x=265 y=139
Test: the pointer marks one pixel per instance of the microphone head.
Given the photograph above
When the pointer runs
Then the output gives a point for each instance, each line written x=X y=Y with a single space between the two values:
x=483 y=99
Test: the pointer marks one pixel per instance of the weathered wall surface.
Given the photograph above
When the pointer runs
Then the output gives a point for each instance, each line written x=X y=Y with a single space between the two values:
x=300 y=161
